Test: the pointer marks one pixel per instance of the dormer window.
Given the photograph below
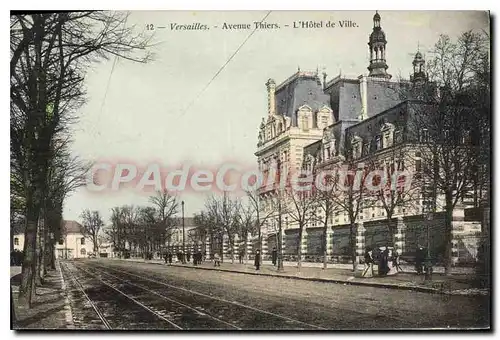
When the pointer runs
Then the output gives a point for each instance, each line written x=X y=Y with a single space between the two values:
x=356 y=147
x=386 y=140
x=378 y=143
x=366 y=149
x=398 y=137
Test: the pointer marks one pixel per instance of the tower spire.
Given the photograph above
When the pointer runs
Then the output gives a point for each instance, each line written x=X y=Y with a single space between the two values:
x=419 y=74
x=377 y=43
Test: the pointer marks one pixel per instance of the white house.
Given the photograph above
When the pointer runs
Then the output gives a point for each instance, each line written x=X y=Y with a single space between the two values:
x=72 y=243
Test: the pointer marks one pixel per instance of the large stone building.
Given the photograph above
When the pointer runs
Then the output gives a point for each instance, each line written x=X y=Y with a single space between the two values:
x=317 y=124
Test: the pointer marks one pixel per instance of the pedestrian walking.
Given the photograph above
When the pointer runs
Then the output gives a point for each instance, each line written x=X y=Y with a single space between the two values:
x=257 y=260
x=240 y=256
x=165 y=257
x=170 y=256
x=368 y=262
x=188 y=256
x=274 y=256
x=419 y=260
x=395 y=262
x=382 y=264
x=216 y=260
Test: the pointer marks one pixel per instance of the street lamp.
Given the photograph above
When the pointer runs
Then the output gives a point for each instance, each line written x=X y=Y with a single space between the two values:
x=183 y=236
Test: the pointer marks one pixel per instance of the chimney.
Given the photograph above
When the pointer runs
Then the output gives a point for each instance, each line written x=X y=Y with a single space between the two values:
x=271 y=100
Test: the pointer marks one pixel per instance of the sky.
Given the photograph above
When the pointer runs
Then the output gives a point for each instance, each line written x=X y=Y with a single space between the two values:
x=162 y=111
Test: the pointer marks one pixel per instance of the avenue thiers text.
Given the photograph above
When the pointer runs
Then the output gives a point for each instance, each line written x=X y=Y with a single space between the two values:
x=307 y=24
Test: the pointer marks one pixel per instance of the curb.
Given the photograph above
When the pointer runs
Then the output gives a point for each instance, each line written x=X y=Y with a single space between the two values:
x=67 y=306
x=337 y=281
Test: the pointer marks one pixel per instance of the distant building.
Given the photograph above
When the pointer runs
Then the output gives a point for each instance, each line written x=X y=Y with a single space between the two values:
x=71 y=245
x=176 y=235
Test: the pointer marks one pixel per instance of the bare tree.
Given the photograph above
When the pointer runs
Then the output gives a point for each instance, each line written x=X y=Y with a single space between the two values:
x=261 y=216
x=49 y=55
x=450 y=129
x=207 y=226
x=397 y=184
x=247 y=225
x=167 y=207
x=325 y=197
x=226 y=214
x=92 y=223
x=302 y=210
x=350 y=193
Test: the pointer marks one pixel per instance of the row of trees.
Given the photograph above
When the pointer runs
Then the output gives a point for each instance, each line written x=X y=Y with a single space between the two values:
x=50 y=53
x=235 y=218
x=143 y=229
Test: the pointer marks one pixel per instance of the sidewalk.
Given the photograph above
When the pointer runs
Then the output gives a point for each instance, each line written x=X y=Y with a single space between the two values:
x=50 y=309
x=456 y=284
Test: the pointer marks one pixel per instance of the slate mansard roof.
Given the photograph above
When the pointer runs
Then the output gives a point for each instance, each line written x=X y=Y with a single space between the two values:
x=303 y=88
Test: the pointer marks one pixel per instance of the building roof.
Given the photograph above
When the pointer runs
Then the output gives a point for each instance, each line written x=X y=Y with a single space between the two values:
x=67 y=227
x=188 y=222
x=71 y=227
x=302 y=88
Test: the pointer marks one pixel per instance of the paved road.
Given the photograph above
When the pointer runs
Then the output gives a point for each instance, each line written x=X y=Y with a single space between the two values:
x=138 y=295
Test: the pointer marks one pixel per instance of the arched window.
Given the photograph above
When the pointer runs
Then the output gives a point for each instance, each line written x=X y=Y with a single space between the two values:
x=82 y=241
x=83 y=251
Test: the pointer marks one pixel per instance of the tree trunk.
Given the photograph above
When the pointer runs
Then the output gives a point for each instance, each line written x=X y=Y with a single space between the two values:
x=47 y=257
x=245 y=244
x=43 y=253
x=448 y=238
x=325 y=243
x=299 y=251
x=232 y=249
x=259 y=231
x=52 y=255
x=29 y=261
x=392 y=231
x=39 y=257
x=352 y=245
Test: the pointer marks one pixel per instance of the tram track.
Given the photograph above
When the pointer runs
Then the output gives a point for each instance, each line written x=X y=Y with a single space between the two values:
x=190 y=316
x=81 y=289
x=115 y=308
x=268 y=317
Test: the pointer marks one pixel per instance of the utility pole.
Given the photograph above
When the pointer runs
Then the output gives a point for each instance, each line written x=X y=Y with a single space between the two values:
x=183 y=236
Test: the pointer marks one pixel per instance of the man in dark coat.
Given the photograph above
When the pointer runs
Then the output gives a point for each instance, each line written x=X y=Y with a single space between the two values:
x=170 y=258
x=240 y=256
x=257 y=260
x=383 y=266
x=419 y=259
x=274 y=256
